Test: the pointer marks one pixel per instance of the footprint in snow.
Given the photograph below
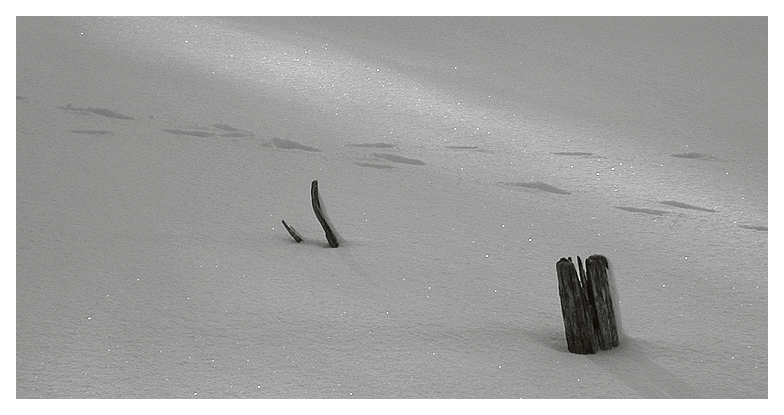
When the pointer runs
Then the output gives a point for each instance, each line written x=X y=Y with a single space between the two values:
x=693 y=156
x=573 y=153
x=193 y=133
x=541 y=186
x=222 y=130
x=232 y=132
x=97 y=111
x=375 y=165
x=373 y=145
x=394 y=158
x=399 y=159
x=91 y=132
x=754 y=228
x=285 y=144
x=468 y=148
x=653 y=212
x=686 y=206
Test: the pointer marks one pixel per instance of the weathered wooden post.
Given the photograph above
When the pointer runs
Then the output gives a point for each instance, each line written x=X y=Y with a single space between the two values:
x=314 y=196
x=578 y=324
x=586 y=305
x=604 y=319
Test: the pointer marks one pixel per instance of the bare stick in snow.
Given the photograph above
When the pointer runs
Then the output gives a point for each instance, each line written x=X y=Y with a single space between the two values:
x=330 y=234
x=293 y=232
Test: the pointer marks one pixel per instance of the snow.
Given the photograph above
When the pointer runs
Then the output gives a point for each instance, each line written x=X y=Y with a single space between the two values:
x=459 y=159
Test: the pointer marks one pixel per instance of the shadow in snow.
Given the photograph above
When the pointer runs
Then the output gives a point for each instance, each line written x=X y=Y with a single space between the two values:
x=691 y=155
x=572 y=153
x=201 y=134
x=226 y=127
x=91 y=132
x=375 y=166
x=292 y=145
x=373 y=145
x=553 y=339
x=540 y=186
x=643 y=210
x=98 y=111
x=235 y=135
x=630 y=363
x=399 y=159
x=755 y=228
x=313 y=242
x=475 y=149
x=232 y=132
x=685 y=206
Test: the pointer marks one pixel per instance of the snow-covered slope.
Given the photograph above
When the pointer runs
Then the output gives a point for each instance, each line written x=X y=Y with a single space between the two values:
x=458 y=159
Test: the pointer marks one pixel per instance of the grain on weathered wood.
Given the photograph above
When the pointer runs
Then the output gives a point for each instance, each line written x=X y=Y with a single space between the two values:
x=577 y=323
x=590 y=308
x=586 y=305
x=604 y=319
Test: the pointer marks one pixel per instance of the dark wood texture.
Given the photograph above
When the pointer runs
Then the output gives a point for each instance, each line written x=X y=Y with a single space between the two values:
x=604 y=318
x=293 y=232
x=329 y=233
x=586 y=305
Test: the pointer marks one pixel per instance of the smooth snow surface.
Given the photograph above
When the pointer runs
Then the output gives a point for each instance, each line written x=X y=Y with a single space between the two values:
x=460 y=159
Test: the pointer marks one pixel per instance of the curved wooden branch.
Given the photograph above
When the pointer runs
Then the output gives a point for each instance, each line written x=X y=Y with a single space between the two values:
x=330 y=234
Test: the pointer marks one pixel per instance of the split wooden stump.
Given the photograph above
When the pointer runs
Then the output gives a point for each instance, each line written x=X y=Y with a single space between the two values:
x=320 y=215
x=586 y=304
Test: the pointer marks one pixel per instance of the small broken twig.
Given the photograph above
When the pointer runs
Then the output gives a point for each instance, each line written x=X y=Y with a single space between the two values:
x=293 y=232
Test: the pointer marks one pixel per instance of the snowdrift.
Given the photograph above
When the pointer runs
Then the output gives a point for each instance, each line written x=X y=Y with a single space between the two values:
x=157 y=158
